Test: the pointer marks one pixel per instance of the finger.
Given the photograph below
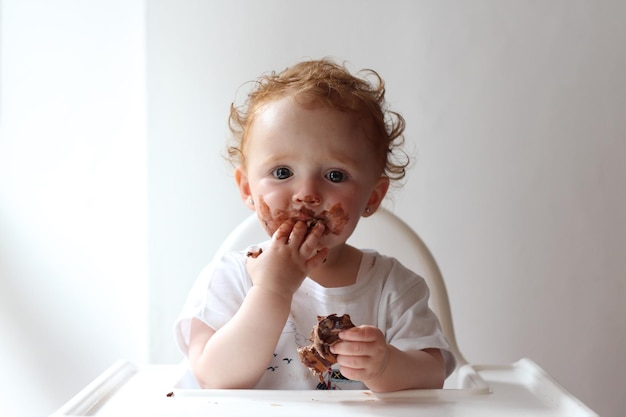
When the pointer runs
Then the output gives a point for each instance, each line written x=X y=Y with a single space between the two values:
x=283 y=231
x=298 y=232
x=318 y=259
x=361 y=334
x=317 y=230
x=351 y=373
x=254 y=252
x=311 y=241
x=378 y=351
x=352 y=361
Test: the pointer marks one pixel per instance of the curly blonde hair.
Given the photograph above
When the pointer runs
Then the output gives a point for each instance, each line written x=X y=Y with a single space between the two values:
x=328 y=83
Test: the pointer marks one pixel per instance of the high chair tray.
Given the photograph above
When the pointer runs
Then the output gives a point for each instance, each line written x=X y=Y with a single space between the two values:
x=518 y=389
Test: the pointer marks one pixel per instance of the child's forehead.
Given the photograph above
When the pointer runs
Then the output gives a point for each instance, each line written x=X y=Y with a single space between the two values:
x=289 y=106
x=292 y=114
x=287 y=125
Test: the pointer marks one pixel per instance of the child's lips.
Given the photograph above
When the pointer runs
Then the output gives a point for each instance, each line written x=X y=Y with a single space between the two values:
x=299 y=218
x=306 y=215
x=310 y=221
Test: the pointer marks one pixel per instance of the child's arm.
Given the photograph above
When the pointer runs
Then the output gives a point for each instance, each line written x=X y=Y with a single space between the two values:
x=236 y=355
x=364 y=355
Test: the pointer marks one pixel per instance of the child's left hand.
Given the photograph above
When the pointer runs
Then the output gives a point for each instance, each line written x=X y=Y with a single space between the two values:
x=363 y=353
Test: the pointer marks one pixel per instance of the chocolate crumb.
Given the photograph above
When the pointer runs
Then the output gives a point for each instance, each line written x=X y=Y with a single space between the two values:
x=254 y=253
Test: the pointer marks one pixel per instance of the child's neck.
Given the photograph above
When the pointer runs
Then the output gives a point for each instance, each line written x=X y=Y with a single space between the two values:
x=340 y=269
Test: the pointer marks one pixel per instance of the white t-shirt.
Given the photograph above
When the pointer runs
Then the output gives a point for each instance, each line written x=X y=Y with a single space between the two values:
x=386 y=295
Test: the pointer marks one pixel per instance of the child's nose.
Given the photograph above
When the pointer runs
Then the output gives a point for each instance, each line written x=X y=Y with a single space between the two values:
x=309 y=199
x=307 y=194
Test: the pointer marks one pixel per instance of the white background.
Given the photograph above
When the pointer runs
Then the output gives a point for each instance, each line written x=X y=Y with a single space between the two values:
x=73 y=197
x=114 y=193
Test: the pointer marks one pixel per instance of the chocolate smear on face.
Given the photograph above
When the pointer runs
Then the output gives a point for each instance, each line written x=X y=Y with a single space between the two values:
x=337 y=219
x=271 y=221
x=334 y=219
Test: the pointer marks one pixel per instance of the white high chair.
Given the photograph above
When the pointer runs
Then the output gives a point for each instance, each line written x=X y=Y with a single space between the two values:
x=387 y=233
x=520 y=388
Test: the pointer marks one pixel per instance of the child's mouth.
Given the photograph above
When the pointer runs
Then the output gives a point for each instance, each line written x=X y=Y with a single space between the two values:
x=310 y=220
x=334 y=219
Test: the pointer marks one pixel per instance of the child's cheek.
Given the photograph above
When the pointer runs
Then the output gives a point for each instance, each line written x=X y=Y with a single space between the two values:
x=270 y=221
x=336 y=219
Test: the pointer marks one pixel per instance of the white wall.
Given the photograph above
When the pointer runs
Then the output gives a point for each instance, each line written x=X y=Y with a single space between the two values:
x=514 y=110
x=73 y=203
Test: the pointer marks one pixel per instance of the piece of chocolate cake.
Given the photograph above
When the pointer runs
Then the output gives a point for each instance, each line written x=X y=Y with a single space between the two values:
x=325 y=333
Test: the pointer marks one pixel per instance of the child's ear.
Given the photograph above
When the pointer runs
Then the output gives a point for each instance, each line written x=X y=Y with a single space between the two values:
x=241 y=178
x=377 y=196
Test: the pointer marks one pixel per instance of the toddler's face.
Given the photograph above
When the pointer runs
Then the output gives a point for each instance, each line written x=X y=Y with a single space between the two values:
x=310 y=163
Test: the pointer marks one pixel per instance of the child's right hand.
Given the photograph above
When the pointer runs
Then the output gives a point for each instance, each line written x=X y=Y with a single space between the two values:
x=294 y=251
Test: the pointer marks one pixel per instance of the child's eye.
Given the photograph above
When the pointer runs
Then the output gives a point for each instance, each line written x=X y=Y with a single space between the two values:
x=336 y=176
x=282 y=173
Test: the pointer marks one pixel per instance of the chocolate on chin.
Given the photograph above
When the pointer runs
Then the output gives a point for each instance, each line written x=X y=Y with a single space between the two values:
x=325 y=333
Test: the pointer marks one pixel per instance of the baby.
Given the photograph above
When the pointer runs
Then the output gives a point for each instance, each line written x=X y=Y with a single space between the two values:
x=314 y=150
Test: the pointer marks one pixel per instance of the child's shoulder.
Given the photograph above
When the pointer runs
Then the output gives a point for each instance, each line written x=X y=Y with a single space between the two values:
x=386 y=264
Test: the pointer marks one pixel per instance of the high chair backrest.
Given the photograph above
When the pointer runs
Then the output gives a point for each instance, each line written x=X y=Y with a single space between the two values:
x=388 y=234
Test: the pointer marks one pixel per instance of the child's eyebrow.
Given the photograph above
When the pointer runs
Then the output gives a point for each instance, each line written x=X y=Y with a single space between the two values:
x=290 y=156
x=346 y=159
x=276 y=159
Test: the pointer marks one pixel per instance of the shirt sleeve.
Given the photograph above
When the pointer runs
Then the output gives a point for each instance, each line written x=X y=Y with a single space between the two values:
x=410 y=322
